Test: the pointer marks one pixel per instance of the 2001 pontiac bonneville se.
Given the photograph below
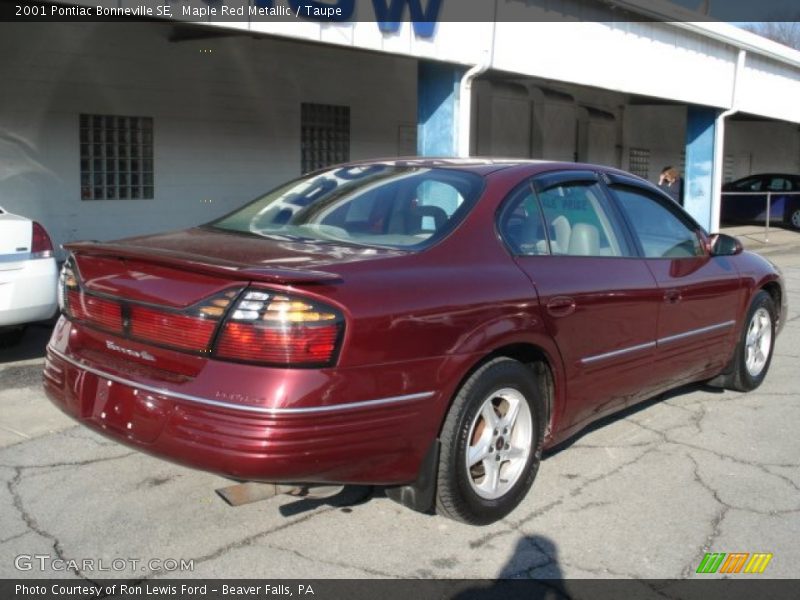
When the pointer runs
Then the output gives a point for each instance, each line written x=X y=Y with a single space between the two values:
x=429 y=325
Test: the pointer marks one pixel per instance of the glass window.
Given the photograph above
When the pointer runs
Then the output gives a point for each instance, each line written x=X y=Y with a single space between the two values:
x=661 y=232
x=377 y=205
x=521 y=224
x=573 y=221
x=437 y=201
x=779 y=184
x=324 y=135
x=751 y=184
x=100 y=162
x=579 y=223
x=639 y=162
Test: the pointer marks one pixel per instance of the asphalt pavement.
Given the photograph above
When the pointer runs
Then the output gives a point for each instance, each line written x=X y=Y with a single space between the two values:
x=644 y=494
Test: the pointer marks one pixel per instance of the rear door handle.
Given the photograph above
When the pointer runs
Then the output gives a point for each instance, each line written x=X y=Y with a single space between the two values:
x=561 y=306
x=672 y=296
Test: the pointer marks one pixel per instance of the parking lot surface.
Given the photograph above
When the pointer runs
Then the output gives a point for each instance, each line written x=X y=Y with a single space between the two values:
x=644 y=494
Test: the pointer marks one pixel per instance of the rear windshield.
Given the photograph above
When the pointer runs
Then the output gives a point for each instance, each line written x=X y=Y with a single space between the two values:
x=407 y=207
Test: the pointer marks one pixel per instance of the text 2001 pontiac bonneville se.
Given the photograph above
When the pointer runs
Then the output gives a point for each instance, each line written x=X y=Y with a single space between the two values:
x=428 y=325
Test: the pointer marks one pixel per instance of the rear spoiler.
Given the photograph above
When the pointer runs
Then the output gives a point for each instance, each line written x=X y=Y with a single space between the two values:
x=192 y=262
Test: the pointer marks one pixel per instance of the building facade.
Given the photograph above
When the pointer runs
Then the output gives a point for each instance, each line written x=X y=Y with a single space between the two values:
x=117 y=129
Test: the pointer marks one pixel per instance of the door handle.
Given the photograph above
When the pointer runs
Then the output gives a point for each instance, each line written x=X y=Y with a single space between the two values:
x=561 y=306
x=672 y=296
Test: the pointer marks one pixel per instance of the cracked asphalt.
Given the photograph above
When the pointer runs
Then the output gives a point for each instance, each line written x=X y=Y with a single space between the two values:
x=644 y=494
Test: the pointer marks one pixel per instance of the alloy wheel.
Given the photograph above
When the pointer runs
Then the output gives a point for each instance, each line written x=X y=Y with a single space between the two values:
x=500 y=437
x=758 y=342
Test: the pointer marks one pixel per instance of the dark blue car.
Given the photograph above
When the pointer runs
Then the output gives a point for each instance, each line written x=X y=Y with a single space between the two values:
x=746 y=199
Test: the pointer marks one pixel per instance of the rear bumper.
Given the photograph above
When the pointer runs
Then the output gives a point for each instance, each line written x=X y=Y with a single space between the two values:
x=27 y=291
x=372 y=441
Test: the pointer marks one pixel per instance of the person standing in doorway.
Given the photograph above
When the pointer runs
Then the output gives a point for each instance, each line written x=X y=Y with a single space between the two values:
x=671 y=182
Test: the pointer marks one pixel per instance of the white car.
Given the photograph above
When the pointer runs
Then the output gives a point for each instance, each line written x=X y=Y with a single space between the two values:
x=28 y=275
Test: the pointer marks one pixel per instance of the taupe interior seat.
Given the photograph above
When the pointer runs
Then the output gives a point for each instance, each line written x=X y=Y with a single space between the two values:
x=562 y=231
x=584 y=240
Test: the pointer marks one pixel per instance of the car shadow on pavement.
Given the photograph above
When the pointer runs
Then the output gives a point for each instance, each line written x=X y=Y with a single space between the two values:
x=31 y=346
x=632 y=410
x=349 y=495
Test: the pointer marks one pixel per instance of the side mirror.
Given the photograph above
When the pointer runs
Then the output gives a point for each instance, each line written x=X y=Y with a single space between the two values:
x=720 y=244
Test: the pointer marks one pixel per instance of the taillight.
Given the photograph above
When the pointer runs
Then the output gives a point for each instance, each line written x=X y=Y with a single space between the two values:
x=260 y=326
x=190 y=329
x=103 y=313
x=67 y=281
x=168 y=329
x=276 y=328
x=41 y=246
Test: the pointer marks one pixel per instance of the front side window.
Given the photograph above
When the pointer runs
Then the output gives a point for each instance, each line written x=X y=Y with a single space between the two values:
x=391 y=206
x=661 y=233
x=779 y=184
x=751 y=184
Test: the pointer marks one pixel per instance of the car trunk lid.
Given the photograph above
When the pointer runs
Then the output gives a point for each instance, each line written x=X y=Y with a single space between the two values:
x=157 y=267
x=15 y=240
x=194 y=291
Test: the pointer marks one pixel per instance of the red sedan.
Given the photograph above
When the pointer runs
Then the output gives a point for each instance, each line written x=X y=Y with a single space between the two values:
x=427 y=325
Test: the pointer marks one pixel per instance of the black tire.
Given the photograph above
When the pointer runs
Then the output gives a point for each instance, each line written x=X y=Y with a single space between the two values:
x=794 y=218
x=456 y=496
x=739 y=377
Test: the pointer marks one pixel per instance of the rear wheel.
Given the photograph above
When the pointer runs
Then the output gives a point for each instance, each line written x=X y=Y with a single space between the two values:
x=754 y=352
x=794 y=218
x=491 y=444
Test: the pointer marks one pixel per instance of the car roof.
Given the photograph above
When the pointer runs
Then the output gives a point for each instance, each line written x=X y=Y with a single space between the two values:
x=761 y=175
x=483 y=165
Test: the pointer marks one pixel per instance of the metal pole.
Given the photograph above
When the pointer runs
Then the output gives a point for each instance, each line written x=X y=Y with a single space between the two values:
x=769 y=208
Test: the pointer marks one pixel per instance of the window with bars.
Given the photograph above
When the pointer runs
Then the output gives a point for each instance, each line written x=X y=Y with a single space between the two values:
x=727 y=168
x=639 y=162
x=116 y=157
x=325 y=135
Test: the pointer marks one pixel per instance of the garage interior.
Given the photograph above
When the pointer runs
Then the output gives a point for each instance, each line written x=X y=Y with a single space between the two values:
x=229 y=110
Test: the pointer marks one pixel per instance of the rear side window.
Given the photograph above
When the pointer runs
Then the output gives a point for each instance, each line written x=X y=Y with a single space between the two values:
x=661 y=233
x=568 y=219
x=579 y=223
